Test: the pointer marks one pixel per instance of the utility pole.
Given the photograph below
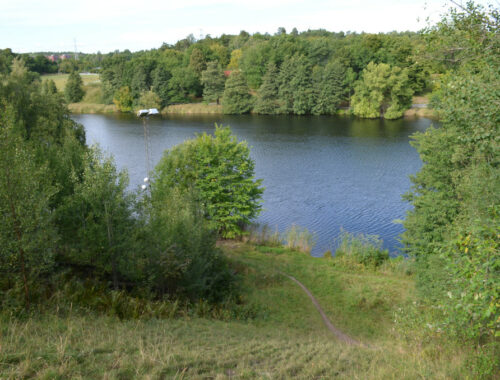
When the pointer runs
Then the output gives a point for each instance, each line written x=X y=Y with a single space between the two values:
x=76 y=54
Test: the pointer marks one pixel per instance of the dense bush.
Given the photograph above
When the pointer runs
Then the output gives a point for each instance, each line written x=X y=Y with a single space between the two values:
x=220 y=172
x=453 y=228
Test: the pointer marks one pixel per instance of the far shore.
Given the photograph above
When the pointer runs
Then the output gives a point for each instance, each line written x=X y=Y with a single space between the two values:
x=418 y=109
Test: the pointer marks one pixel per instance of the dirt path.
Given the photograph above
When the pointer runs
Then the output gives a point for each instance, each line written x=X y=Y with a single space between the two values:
x=335 y=331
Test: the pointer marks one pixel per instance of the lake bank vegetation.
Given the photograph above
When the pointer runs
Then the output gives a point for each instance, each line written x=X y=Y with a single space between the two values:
x=315 y=72
x=97 y=281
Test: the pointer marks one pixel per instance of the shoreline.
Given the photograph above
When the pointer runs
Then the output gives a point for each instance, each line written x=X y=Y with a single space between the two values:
x=417 y=110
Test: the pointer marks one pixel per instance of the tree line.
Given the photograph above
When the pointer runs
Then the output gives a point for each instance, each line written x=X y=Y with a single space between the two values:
x=313 y=72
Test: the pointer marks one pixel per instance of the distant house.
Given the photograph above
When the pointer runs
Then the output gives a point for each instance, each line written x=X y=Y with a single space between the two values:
x=52 y=58
x=64 y=56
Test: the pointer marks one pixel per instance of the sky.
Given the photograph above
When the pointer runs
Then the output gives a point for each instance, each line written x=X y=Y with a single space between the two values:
x=109 y=25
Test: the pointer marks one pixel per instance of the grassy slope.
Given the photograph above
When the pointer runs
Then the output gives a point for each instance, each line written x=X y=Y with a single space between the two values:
x=287 y=339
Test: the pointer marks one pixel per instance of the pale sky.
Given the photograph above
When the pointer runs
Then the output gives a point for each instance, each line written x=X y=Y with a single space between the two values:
x=107 y=25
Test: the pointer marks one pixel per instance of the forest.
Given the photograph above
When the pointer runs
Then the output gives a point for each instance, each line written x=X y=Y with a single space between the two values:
x=313 y=72
x=73 y=240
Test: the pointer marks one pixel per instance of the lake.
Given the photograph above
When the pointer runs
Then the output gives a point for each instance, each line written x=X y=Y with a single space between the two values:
x=322 y=173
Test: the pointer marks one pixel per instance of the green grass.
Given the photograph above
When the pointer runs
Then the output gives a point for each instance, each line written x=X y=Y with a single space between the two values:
x=286 y=339
x=193 y=108
x=61 y=79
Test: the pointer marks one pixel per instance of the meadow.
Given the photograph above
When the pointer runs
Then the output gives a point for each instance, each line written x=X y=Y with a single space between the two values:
x=285 y=338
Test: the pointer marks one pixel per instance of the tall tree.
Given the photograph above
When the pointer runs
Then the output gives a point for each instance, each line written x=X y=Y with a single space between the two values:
x=329 y=84
x=267 y=98
x=27 y=232
x=160 y=77
x=213 y=81
x=197 y=61
x=102 y=216
x=74 y=88
x=237 y=98
x=295 y=85
x=382 y=92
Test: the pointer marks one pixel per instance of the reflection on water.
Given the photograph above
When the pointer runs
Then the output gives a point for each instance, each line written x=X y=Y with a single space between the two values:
x=322 y=173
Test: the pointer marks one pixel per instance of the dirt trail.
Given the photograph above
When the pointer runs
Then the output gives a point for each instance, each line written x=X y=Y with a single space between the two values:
x=335 y=331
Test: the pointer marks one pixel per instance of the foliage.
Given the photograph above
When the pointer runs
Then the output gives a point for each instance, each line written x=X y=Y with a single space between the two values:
x=455 y=195
x=299 y=239
x=364 y=249
x=236 y=98
x=295 y=85
x=102 y=218
x=220 y=171
x=183 y=84
x=27 y=233
x=149 y=99
x=179 y=254
x=267 y=97
x=197 y=61
x=382 y=92
x=159 y=84
x=123 y=99
x=74 y=88
x=213 y=81
x=472 y=305
x=330 y=88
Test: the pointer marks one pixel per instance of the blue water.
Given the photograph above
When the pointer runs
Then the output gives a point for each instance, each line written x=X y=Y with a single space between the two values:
x=322 y=173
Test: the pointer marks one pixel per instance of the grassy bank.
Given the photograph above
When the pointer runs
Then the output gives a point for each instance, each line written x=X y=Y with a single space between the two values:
x=83 y=107
x=193 y=108
x=286 y=339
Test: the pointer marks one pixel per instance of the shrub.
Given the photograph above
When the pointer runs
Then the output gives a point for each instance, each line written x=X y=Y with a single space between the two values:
x=220 y=172
x=300 y=239
x=364 y=249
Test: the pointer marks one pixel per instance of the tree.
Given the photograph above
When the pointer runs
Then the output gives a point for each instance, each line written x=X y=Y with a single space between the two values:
x=237 y=98
x=295 y=85
x=453 y=229
x=149 y=99
x=382 y=92
x=213 y=81
x=160 y=77
x=123 y=99
x=139 y=81
x=102 y=216
x=27 y=233
x=234 y=63
x=49 y=87
x=220 y=171
x=184 y=83
x=197 y=61
x=74 y=88
x=329 y=84
x=267 y=97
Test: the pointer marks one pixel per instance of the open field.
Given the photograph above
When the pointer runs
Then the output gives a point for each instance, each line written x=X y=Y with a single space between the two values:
x=61 y=79
x=287 y=338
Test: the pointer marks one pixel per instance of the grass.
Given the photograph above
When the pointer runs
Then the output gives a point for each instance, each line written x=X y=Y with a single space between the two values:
x=428 y=113
x=287 y=339
x=193 y=108
x=61 y=79
x=83 y=107
x=92 y=101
